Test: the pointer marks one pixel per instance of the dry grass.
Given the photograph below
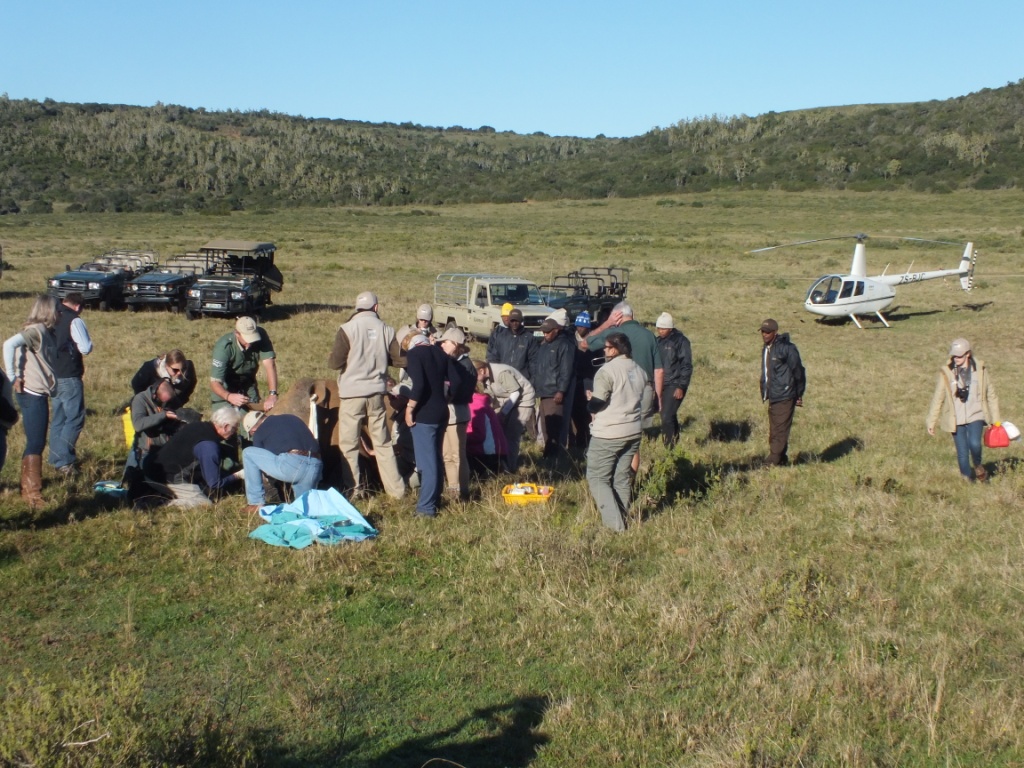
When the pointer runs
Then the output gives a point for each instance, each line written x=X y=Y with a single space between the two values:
x=860 y=608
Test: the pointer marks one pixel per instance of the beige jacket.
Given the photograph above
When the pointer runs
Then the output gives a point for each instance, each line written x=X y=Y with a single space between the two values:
x=941 y=411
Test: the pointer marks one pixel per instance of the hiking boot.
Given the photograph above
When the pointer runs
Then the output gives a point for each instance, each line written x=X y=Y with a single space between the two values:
x=32 y=481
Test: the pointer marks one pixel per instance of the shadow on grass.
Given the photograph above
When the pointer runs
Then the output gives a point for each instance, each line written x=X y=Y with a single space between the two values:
x=56 y=513
x=509 y=735
x=287 y=311
x=728 y=432
x=17 y=295
x=834 y=452
x=677 y=477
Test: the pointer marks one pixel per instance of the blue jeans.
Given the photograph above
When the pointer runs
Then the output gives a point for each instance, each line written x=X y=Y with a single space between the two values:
x=427 y=440
x=67 y=421
x=303 y=472
x=967 y=440
x=35 y=419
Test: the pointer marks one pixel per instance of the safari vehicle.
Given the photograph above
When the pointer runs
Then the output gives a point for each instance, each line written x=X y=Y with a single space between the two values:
x=167 y=284
x=240 y=283
x=473 y=302
x=101 y=282
x=594 y=289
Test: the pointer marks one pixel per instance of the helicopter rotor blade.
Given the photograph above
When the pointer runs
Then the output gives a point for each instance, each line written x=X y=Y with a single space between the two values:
x=860 y=237
x=925 y=240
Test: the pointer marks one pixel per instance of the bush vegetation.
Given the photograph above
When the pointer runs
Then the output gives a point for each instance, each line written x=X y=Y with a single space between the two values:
x=118 y=158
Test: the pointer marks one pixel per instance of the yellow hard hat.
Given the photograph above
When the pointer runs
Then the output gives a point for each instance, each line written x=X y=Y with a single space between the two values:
x=506 y=308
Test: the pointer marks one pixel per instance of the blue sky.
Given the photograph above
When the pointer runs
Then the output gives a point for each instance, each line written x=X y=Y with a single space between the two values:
x=564 y=68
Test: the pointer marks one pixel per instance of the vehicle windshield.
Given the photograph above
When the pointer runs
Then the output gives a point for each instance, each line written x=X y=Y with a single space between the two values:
x=516 y=293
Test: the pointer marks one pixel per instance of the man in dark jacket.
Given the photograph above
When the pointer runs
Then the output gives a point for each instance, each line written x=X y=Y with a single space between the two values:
x=513 y=346
x=782 y=386
x=554 y=366
x=194 y=454
x=677 y=362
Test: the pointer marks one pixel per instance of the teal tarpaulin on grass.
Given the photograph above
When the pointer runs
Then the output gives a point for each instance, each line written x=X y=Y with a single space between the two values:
x=321 y=517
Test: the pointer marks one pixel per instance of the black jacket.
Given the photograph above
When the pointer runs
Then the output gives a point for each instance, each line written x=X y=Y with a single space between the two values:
x=517 y=350
x=786 y=377
x=676 y=360
x=554 y=366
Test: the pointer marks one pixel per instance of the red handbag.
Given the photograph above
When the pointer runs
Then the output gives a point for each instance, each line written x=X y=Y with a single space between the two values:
x=995 y=436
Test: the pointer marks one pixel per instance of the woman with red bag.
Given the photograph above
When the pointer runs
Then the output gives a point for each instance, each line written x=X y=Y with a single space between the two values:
x=964 y=401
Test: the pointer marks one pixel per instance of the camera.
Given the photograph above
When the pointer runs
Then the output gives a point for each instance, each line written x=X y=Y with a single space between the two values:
x=962 y=393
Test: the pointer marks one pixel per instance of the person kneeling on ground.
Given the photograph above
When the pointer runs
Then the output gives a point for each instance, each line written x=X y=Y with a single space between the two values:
x=485 y=439
x=282 y=448
x=195 y=453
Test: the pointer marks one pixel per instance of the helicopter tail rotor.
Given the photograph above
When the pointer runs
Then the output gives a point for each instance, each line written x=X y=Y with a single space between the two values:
x=967 y=263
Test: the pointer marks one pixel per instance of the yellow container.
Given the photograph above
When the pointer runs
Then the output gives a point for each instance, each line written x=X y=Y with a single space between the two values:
x=527 y=493
x=129 y=430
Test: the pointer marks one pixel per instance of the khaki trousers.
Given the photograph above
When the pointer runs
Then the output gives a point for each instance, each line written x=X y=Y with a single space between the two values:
x=456 y=462
x=353 y=413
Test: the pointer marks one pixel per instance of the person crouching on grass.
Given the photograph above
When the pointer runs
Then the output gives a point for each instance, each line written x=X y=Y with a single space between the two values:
x=964 y=401
x=617 y=404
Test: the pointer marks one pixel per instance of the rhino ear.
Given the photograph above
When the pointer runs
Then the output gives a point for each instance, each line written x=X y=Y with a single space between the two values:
x=319 y=394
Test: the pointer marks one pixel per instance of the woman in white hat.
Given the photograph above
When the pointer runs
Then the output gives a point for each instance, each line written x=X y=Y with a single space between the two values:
x=964 y=401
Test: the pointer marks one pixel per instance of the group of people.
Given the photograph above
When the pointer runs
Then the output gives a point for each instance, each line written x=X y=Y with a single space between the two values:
x=570 y=385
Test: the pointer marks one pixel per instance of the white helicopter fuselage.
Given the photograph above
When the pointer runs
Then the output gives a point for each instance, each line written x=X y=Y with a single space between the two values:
x=857 y=294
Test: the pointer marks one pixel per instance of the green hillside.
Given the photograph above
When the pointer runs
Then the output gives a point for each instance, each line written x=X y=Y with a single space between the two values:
x=101 y=157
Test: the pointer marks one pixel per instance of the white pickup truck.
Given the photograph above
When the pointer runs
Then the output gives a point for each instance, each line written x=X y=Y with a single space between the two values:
x=473 y=302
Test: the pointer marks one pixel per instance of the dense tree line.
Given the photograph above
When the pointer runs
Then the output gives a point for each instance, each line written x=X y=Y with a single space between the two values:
x=101 y=157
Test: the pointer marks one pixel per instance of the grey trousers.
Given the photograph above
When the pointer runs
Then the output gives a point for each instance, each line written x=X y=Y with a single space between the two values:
x=608 y=475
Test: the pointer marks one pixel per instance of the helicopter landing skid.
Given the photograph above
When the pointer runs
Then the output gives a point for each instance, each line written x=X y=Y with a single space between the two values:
x=877 y=314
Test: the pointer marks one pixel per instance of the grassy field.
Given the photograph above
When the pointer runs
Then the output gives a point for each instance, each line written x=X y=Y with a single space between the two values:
x=863 y=607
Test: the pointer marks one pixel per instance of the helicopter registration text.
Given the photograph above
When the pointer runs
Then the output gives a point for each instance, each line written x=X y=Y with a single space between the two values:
x=914 y=278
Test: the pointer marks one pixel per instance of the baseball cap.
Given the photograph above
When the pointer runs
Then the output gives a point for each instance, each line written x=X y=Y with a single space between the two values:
x=250 y=420
x=366 y=300
x=769 y=326
x=246 y=328
x=665 y=321
x=549 y=325
x=506 y=308
x=959 y=347
x=454 y=334
x=583 y=319
x=425 y=312
x=515 y=314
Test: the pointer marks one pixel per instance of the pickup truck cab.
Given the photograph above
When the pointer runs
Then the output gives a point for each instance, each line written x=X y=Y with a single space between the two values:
x=473 y=302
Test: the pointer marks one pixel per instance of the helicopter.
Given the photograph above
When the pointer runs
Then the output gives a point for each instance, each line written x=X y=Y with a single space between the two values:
x=857 y=294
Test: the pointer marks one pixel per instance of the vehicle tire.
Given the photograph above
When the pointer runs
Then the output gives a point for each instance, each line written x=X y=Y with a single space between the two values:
x=175 y=309
x=190 y=315
x=133 y=307
x=104 y=305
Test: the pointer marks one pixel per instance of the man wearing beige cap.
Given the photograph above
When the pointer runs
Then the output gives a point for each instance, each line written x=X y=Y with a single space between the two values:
x=554 y=367
x=237 y=358
x=364 y=347
x=677 y=363
x=782 y=386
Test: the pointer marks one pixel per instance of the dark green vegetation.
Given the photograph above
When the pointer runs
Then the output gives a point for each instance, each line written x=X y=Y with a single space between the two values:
x=861 y=608
x=98 y=157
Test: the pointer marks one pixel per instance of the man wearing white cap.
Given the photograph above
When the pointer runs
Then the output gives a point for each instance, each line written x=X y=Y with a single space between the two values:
x=237 y=358
x=363 y=349
x=677 y=362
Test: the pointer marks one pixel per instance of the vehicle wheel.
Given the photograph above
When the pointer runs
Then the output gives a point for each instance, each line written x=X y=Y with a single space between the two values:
x=104 y=305
x=133 y=307
x=175 y=309
x=190 y=315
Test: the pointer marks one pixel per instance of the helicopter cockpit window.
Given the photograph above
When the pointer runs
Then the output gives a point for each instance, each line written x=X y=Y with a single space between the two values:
x=859 y=290
x=847 y=291
x=826 y=290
